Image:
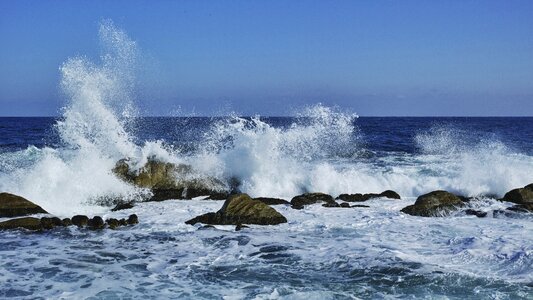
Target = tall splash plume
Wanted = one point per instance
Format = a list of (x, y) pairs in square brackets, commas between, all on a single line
[(92, 130)]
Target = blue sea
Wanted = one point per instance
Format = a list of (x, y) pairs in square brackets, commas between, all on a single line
[(65, 164)]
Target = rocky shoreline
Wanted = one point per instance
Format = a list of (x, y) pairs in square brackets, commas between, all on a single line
[(238, 208)]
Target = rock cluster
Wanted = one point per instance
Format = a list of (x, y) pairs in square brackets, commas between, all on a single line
[(241, 209), (46, 223)]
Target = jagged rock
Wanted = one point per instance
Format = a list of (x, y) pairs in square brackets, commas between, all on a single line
[(521, 195), (26, 222), (49, 223), (477, 213), (241, 209), (96, 223), (133, 219), (300, 201), (168, 181), (122, 206), (15, 206), (112, 223), (272, 201), (364, 197), (80, 220), (434, 204)]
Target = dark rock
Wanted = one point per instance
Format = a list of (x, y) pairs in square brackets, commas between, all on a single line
[(477, 213), (345, 204), (310, 198), (169, 181), (241, 209), (66, 222), (523, 208), (49, 223), (122, 206), (133, 219), (27, 223), (96, 223), (122, 222), (434, 204), (112, 223), (359, 205), (520, 196), (207, 227), (331, 204), (80, 220), (15, 206), (218, 196), (364, 197), (272, 201), (240, 226)]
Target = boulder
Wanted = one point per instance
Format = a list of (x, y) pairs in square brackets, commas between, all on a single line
[(96, 223), (364, 197), (300, 201), (49, 223), (168, 180), (132, 219), (521, 195), (27, 223), (345, 204), (15, 206), (112, 223), (241, 209), (80, 220), (67, 222), (272, 201), (434, 204)]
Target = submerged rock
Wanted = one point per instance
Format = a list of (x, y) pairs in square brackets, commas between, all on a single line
[(477, 213), (168, 180), (27, 223), (15, 206), (272, 201), (520, 196), (241, 209), (364, 197), (345, 204), (434, 204), (300, 201)]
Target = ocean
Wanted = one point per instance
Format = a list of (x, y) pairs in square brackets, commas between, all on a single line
[(65, 164)]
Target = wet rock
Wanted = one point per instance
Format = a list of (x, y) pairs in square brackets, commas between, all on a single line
[(345, 204), (522, 208), (66, 222), (434, 204), (123, 206), (364, 197), (331, 204), (169, 181), (27, 223), (300, 201), (15, 206), (80, 220), (240, 226), (122, 222), (360, 205), (96, 223), (272, 201), (112, 223), (241, 209), (520, 196), (218, 196), (49, 223), (133, 219), (477, 213)]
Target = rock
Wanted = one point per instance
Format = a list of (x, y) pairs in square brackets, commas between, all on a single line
[(331, 204), (272, 201), (520, 196), (364, 197), (345, 204), (122, 222), (66, 222), (15, 206), (27, 223), (477, 213), (241, 209), (112, 223), (523, 208), (133, 219), (96, 223), (359, 205), (49, 223), (169, 181), (240, 226), (300, 201), (434, 204), (122, 206), (80, 220), (218, 196)]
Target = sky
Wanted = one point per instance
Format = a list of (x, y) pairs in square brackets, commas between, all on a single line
[(376, 58)]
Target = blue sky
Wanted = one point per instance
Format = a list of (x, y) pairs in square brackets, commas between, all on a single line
[(399, 58)]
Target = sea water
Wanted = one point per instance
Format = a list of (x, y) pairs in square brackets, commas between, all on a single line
[(65, 164)]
